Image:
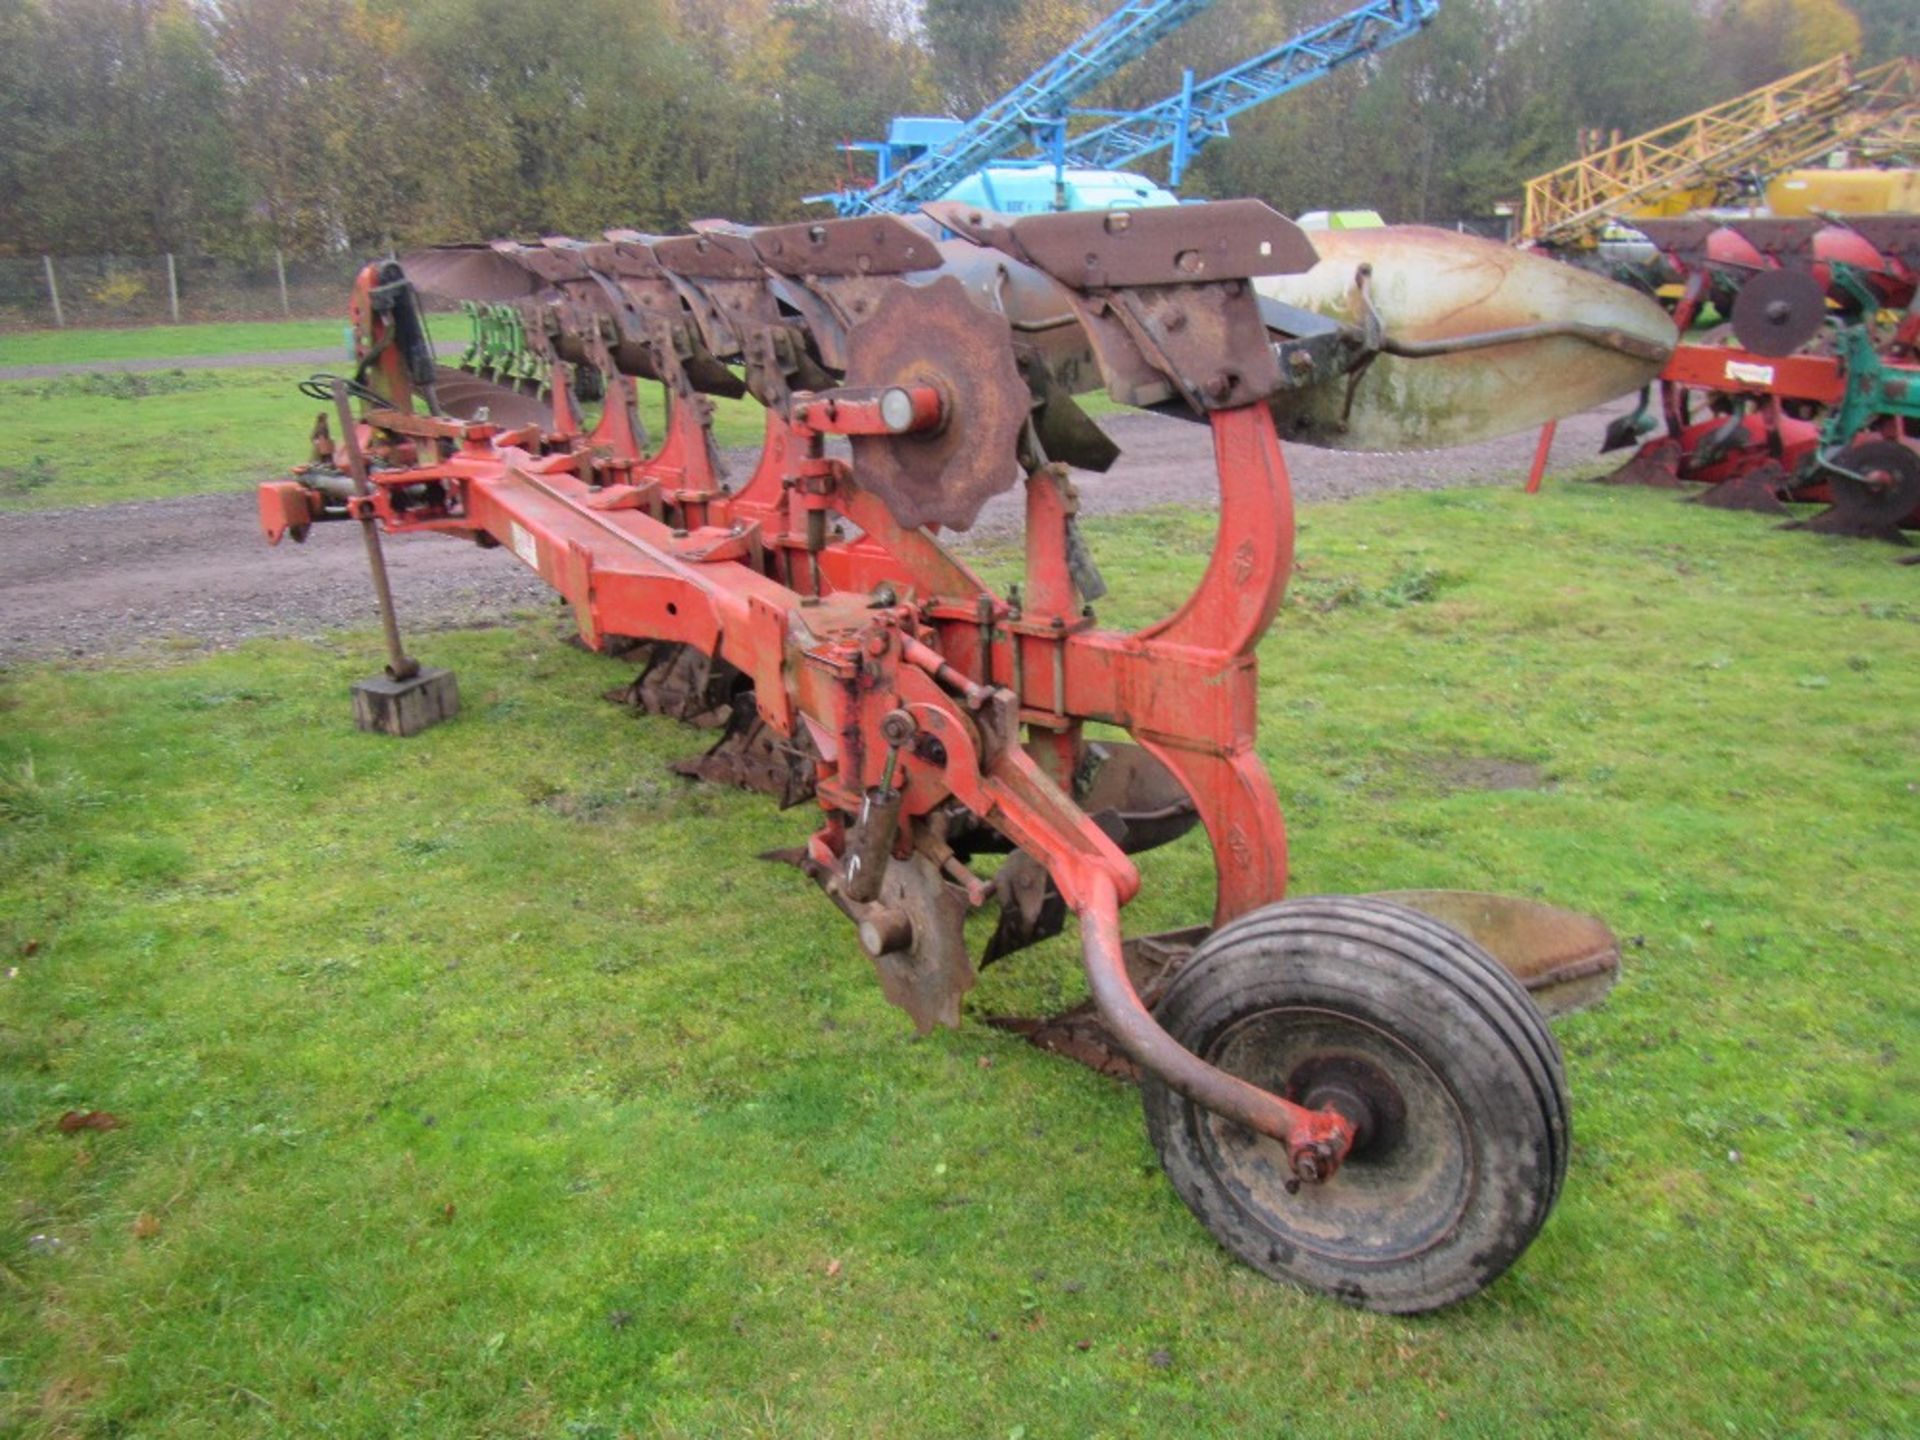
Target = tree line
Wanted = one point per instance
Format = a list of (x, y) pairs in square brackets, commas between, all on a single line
[(233, 127)]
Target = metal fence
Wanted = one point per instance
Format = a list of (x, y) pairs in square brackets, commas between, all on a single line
[(39, 291)]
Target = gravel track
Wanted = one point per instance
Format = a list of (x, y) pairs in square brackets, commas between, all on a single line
[(194, 571), (334, 355), (184, 362)]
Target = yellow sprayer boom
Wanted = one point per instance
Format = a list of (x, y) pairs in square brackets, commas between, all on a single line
[(1710, 157)]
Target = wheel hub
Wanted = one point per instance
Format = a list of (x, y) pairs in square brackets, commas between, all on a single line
[(1408, 1175), (1360, 1092)]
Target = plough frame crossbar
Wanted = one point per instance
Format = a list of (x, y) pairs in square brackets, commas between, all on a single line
[(910, 372)]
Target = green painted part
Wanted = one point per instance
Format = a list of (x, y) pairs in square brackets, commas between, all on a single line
[(470, 357), (1850, 280), (1340, 220), (497, 346), (1874, 389)]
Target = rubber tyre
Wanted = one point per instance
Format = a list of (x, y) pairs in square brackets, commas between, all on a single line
[(1445, 1193)]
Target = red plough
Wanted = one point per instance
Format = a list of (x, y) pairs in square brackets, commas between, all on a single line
[(1818, 399), (1356, 1094)]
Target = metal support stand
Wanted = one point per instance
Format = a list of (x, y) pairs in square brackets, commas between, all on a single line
[(407, 699)]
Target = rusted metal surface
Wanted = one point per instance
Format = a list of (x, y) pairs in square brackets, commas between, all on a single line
[(1778, 312), (921, 957), (1657, 464), (471, 272), (713, 255), (1684, 236), (400, 666), (1102, 250), (932, 336), (872, 245), (1763, 489), (683, 683), (752, 755), (468, 397), (1874, 487), (1567, 960), (1136, 801)]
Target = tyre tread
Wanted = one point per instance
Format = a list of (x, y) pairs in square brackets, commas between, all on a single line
[(1482, 994), (1499, 998)]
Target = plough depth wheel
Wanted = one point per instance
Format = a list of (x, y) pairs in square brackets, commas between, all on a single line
[(1429, 1047)]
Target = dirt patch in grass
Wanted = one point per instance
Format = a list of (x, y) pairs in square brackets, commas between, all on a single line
[(1456, 773)]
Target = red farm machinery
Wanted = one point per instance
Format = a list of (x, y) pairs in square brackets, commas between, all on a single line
[(1817, 397), (1357, 1094)]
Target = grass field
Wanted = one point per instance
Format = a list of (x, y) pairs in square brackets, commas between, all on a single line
[(483, 1084), (168, 342), (99, 439)]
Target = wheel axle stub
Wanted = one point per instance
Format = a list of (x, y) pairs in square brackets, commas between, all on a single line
[(1359, 1091), (1321, 1138)]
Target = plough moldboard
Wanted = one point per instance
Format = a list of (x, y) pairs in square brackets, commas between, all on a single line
[(1357, 1094)]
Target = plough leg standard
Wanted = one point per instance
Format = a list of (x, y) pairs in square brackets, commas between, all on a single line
[(1350, 1093)]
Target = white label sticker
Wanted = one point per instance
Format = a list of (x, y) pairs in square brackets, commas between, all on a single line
[(525, 546), (1749, 374)]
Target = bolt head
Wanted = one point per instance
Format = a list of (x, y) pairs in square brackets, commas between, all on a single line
[(897, 727)]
